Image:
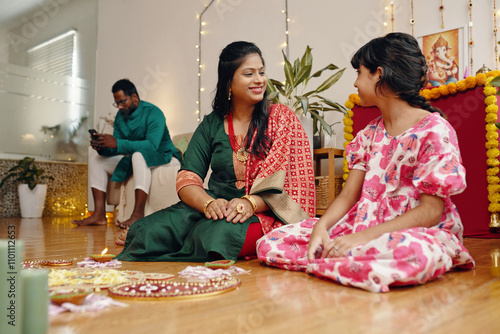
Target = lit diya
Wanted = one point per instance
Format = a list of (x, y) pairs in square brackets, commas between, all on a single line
[(103, 257)]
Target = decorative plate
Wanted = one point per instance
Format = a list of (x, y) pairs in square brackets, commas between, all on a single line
[(159, 290)]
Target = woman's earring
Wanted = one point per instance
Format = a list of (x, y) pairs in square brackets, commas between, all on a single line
[(229, 97)]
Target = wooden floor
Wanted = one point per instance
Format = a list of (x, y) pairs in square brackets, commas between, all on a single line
[(272, 300)]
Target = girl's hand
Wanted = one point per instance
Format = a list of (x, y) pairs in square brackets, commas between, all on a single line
[(340, 246), (319, 238), (239, 210), (216, 209)]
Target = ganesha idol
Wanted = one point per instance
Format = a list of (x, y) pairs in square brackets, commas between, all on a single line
[(442, 70)]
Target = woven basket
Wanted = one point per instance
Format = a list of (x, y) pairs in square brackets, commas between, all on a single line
[(322, 190)]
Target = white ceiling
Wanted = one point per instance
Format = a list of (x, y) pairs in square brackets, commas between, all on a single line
[(12, 11)]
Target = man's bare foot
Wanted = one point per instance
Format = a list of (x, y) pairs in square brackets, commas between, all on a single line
[(126, 224), (94, 219), (122, 237)]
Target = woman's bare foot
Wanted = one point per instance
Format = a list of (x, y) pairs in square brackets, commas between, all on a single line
[(94, 219), (122, 237), (126, 224)]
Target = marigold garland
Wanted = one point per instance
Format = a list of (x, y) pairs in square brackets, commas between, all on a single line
[(491, 109)]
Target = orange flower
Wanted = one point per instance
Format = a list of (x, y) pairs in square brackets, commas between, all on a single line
[(470, 82)]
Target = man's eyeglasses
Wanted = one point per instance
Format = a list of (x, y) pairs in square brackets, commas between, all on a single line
[(122, 102)]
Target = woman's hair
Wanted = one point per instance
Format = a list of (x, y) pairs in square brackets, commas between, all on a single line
[(404, 69), (231, 57)]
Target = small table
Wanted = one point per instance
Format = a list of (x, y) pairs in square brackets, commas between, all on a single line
[(330, 153)]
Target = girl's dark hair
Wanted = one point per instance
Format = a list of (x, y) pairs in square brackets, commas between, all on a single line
[(231, 57), (404, 69), (126, 85)]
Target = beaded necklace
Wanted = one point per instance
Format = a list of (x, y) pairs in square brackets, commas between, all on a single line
[(241, 153)]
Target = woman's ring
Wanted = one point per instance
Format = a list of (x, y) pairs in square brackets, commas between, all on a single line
[(336, 249), (240, 208)]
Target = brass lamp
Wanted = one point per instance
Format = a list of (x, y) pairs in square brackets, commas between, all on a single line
[(483, 69), (494, 223)]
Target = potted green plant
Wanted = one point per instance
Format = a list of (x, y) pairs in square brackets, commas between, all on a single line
[(31, 194), (303, 100)]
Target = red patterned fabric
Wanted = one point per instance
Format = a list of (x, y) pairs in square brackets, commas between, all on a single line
[(290, 153)]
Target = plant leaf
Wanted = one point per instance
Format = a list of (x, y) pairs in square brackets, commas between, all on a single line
[(276, 83), (302, 75), (304, 102), (495, 81), (288, 75), (330, 81), (329, 67), (307, 60)]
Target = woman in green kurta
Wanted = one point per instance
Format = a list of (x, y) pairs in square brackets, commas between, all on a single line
[(262, 175)]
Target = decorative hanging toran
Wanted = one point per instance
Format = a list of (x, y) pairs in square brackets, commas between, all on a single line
[(441, 9), (471, 42), (412, 21), (495, 32)]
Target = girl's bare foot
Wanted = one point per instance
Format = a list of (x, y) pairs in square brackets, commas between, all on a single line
[(122, 237), (94, 219)]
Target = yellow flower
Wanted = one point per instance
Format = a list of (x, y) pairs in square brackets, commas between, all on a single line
[(491, 127), (493, 179), (435, 93), (492, 108), (344, 177), (491, 118), (492, 99), (494, 198), (345, 169), (348, 129), (494, 207), (354, 98), (461, 86), (491, 143), (491, 135), (493, 188), (426, 93), (349, 122), (350, 113), (345, 144), (488, 91), (452, 87), (480, 79), (349, 105), (493, 171), (491, 153), (348, 136), (443, 90), (492, 162), (470, 82)]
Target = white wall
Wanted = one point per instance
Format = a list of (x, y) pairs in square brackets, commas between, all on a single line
[(52, 19), (153, 43)]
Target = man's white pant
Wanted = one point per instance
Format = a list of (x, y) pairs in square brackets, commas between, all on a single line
[(101, 166)]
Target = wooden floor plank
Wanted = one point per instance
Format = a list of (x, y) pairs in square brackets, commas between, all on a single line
[(272, 300)]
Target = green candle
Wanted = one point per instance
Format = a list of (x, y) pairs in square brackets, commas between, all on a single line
[(35, 286), (10, 284)]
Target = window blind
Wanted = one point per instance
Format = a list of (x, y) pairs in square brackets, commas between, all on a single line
[(55, 55)]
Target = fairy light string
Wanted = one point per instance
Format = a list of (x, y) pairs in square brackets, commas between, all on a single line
[(285, 45), (201, 32)]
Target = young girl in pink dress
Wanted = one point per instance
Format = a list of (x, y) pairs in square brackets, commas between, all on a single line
[(394, 222)]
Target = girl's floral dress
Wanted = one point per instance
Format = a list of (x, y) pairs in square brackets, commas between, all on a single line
[(424, 159)]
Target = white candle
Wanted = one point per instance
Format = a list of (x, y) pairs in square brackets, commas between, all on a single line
[(35, 286), (10, 284)]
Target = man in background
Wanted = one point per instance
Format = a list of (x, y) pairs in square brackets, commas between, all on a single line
[(140, 141)]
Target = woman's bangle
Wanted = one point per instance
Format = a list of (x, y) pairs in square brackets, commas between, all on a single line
[(207, 203), (251, 200)]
